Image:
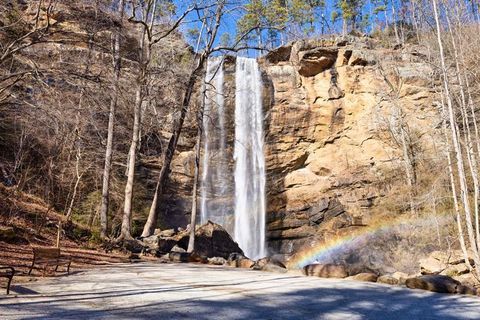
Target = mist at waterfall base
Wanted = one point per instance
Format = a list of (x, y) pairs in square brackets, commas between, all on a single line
[(385, 246), (248, 190)]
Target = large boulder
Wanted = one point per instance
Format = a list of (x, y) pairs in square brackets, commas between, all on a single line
[(212, 240), (435, 283), (325, 270), (238, 260), (431, 265)]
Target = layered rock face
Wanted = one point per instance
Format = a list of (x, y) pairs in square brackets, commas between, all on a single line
[(334, 112), (331, 142)]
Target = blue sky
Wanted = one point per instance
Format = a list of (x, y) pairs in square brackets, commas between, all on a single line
[(232, 16)]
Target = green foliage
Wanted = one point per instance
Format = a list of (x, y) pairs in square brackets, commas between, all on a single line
[(277, 16)]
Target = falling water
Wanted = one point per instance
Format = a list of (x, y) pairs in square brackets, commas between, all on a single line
[(249, 160), (214, 178)]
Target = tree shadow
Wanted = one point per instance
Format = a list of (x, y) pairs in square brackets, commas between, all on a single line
[(238, 299)]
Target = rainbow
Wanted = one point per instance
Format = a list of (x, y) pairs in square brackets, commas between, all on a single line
[(325, 251)]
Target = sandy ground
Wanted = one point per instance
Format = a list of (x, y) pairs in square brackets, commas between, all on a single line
[(186, 291)]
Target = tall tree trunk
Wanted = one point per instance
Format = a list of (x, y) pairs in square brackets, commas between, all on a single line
[(193, 216), (111, 123), (394, 18), (132, 154)]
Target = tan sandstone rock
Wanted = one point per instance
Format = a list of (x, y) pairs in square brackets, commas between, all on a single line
[(326, 270)]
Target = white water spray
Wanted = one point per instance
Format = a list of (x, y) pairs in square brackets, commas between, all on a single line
[(213, 184), (249, 160)]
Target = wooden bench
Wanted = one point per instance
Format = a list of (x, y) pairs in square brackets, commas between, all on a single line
[(7, 272), (49, 257)]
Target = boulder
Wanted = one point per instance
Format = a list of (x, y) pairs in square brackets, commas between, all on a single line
[(176, 248), (467, 279), (361, 58), (325, 270), (462, 289), (315, 61), (196, 257), (167, 233), (238, 260), (431, 265), (219, 261), (455, 270), (134, 246), (269, 264), (401, 277), (212, 240), (178, 256), (387, 279), (166, 244), (245, 263), (151, 242), (435, 283), (365, 276)]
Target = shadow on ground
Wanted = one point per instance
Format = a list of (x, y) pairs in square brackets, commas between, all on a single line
[(240, 300)]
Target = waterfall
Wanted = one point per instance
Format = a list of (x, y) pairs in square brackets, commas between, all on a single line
[(249, 160), (214, 187)]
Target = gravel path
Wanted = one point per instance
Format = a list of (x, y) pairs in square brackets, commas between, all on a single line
[(186, 291)]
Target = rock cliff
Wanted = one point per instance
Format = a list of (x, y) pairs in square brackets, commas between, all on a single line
[(332, 145), (333, 113)]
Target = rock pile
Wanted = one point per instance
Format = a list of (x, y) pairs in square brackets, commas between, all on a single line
[(439, 272), (211, 240)]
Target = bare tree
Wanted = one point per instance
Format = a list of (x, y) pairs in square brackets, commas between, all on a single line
[(111, 123)]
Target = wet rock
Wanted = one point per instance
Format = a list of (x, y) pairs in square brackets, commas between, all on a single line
[(365, 276), (325, 270), (212, 240), (387, 279), (435, 283)]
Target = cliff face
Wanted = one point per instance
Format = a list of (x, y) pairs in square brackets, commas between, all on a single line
[(342, 122), (342, 125)]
